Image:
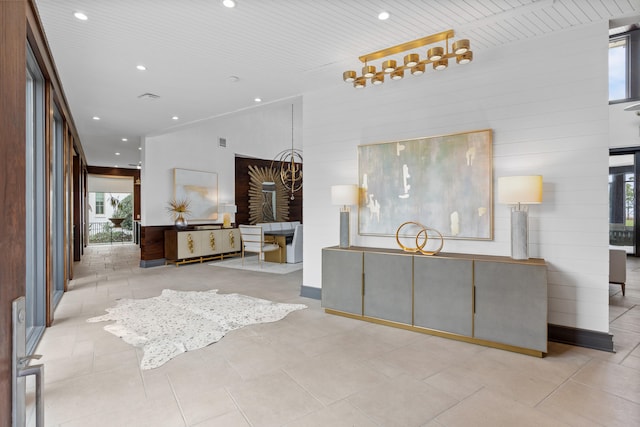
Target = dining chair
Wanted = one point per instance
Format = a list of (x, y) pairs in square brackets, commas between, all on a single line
[(294, 249), (253, 241)]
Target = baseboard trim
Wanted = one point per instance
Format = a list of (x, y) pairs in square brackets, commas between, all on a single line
[(311, 292), (152, 263), (581, 337)]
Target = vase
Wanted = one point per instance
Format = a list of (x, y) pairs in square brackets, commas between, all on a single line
[(180, 222)]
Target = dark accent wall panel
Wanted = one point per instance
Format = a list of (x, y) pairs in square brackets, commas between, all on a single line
[(242, 191), (152, 242), (12, 183)]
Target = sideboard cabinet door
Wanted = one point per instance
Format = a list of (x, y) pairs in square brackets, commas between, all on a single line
[(443, 294), (388, 292), (342, 280), (230, 240), (188, 244), (511, 304), (210, 242)]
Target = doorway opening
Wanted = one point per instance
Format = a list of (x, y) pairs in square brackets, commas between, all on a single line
[(623, 203), (110, 210)]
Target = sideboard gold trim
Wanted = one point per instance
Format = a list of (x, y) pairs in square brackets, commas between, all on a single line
[(435, 332)]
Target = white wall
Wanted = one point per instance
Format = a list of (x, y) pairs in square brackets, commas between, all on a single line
[(624, 126), (546, 101), (260, 132)]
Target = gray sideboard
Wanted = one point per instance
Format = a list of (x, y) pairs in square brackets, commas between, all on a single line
[(488, 300)]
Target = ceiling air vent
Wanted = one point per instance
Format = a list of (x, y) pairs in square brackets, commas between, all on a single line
[(222, 142), (148, 96)]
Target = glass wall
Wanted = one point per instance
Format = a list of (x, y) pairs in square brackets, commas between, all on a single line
[(622, 202), (57, 209), (35, 204)]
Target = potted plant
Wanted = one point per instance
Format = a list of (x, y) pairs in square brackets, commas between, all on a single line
[(117, 215), (178, 209)]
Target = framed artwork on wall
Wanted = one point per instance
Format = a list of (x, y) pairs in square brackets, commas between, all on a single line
[(444, 182), (201, 189)]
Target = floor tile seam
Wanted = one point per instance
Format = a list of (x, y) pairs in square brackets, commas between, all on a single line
[(635, 347), (176, 399), (284, 371), (632, 328), (618, 316), (557, 388), (457, 403), (237, 405), (77, 376), (601, 390)]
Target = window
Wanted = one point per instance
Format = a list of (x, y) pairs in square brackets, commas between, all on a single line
[(624, 64), (618, 69), (36, 219), (99, 203)]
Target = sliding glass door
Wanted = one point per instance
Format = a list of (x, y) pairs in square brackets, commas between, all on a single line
[(624, 171)]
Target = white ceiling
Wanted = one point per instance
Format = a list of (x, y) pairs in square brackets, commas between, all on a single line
[(277, 48)]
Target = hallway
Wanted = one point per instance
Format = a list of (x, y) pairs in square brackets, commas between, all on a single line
[(314, 369)]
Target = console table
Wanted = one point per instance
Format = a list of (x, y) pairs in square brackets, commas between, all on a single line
[(181, 247), (489, 300)]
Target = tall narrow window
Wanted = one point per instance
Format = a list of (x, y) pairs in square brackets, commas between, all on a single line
[(618, 69), (57, 236), (99, 203), (35, 255)]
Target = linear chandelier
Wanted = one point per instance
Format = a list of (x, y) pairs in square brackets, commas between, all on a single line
[(437, 55)]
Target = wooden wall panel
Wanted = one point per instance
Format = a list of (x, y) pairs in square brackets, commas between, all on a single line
[(152, 242), (12, 190)]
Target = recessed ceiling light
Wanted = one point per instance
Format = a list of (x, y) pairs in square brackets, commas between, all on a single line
[(257, 99), (81, 16), (229, 3), (141, 67), (383, 16), (124, 139), (117, 154), (96, 118), (139, 148), (115, 166), (175, 117)]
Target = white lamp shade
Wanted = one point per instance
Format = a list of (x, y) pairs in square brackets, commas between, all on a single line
[(344, 194), (520, 189)]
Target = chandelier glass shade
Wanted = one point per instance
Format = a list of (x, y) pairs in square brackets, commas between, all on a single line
[(438, 56)]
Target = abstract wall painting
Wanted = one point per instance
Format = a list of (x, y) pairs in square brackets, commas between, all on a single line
[(444, 182), (201, 189)]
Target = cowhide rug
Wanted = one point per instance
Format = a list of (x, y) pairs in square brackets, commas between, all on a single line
[(176, 321)]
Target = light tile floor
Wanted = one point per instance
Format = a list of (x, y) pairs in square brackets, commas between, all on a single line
[(314, 369)]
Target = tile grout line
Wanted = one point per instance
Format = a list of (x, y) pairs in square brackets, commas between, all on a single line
[(235, 402), (175, 396)]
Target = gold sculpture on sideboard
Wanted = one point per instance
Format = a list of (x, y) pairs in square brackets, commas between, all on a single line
[(421, 239)]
